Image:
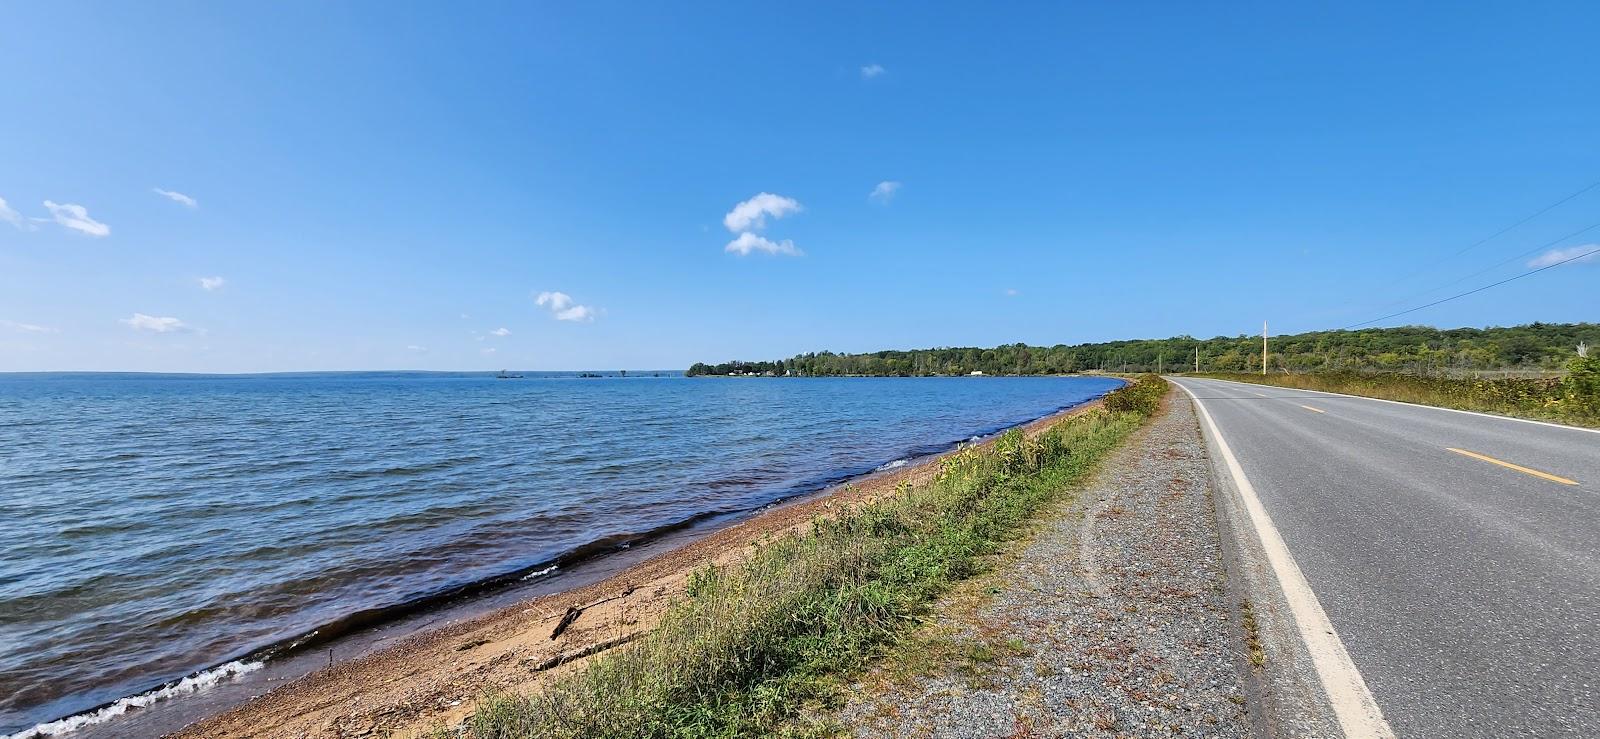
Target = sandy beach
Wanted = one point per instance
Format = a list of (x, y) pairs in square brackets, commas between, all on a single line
[(431, 679)]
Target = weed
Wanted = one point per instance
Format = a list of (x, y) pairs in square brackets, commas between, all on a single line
[(1252, 635)]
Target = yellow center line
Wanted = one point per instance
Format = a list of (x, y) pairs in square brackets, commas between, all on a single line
[(1314, 410), (1510, 466)]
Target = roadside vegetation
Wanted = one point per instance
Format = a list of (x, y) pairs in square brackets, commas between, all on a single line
[(1573, 399), (750, 644), (1534, 349)]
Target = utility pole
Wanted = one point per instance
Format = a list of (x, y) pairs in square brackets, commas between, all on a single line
[(1197, 359), (1263, 348), (1160, 359)]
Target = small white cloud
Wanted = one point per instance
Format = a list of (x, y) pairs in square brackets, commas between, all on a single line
[(884, 192), (872, 70), (751, 215), (487, 352), (31, 328), (76, 217), (749, 242), (1012, 292), (11, 216), (417, 349), (213, 284), (575, 313), (553, 300), (501, 332), (177, 197), (1575, 254), (563, 308), (158, 324)]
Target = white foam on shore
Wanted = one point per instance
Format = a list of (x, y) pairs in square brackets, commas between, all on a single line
[(539, 573), (191, 684), (893, 465)]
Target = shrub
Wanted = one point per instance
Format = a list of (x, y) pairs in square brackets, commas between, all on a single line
[(1142, 396)]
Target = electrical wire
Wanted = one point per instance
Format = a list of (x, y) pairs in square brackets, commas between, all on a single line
[(1476, 290)]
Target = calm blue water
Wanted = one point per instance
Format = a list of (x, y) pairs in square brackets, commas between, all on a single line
[(151, 526)]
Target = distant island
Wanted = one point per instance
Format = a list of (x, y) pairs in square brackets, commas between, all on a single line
[(1534, 348)]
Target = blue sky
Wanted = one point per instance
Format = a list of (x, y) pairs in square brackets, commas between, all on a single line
[(387, 185)]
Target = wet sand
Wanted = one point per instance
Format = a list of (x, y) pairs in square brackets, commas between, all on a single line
[(430, 679)]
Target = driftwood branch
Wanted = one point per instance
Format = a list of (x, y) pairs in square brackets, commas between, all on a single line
[(565, 657), (573, 612)]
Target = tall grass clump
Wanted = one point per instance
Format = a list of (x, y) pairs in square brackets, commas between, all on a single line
[(748, 644), (1574, 398)]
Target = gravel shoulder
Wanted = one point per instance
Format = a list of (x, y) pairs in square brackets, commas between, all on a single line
[(1113, 618)]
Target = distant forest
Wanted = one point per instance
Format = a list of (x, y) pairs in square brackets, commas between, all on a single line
[(1538, 347)]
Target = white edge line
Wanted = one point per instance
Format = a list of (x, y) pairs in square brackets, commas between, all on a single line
[(1353, 704), (1402, 402)]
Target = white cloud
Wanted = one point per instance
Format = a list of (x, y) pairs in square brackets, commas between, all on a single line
[(1557, 256), (1012, 292), (212, 284), (177, 197), (32, 328), (884, 192), (158, 324), (749, 242), (76, 217), (417, 349), (12, 217), (872, 70), (553, 301), (576, 313), (501, 332), (487, 352), (563, 308), (751, 215)]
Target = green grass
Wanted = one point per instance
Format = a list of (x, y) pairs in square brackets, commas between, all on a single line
[(1574, 399), (749, 645)]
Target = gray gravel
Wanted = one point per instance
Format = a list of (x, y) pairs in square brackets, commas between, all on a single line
[(1112, 620)]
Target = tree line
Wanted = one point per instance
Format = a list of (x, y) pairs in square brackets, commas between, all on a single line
[(1544, 347)]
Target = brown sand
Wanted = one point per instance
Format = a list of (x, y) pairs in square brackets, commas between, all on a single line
[(430, 679)]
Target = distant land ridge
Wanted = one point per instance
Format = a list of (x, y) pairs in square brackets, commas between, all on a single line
[(1533, 348)]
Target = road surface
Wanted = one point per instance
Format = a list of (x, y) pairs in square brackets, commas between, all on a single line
[(1456, 555)]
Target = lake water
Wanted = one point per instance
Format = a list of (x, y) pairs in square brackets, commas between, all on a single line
[(153, 526)]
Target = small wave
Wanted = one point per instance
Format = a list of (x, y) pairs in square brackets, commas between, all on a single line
[(893, 465), (539, 573), (191, 684)]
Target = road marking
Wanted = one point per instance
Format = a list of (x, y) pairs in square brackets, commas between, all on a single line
[(1264, 395), (1353, 704), (1313, 410), (1430, 407), (1510, 466)]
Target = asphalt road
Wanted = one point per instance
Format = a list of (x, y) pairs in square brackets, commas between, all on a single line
[(1466, 592)]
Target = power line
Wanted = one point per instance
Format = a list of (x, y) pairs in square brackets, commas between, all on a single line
[(1497, 234), (1501, 263), (1476, 290)]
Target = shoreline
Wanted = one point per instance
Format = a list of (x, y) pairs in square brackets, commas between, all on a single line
[(434, 677), (468, 612)]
